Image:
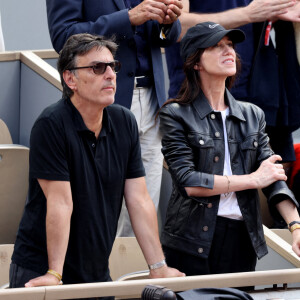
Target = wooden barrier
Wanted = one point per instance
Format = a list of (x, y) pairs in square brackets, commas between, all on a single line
[(133, 288)]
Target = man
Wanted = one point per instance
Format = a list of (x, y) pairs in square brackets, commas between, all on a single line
[(269, 77), (140, 28), (84, 156)]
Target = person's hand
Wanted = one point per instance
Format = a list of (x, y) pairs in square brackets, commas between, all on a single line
[(268, 172), (293, 13), (148, 10), (44, 280), (296, 241), (165, 272), (173, 11), (262, 10)]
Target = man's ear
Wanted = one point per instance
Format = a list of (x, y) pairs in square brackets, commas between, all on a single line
[(69, 79)]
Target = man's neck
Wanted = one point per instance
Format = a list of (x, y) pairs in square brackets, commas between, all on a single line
[(91, 114)]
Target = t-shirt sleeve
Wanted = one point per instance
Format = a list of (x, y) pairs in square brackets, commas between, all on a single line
[(48, 159), (135, 167)]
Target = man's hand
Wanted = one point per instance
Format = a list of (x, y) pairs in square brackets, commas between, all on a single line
[(44, 280), (173, 11), (262, 10), (296, 241), (165, 272), (292, 15), (148, 10), (269, 172)]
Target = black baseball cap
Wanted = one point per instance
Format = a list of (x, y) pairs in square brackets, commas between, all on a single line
[(206, 34)]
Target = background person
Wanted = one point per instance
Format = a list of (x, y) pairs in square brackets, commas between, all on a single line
[(218, 155), (140, 28)]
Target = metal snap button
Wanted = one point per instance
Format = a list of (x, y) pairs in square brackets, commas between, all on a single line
[(217, 134), (201, 142)]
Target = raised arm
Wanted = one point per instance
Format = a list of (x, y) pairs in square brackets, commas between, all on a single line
[(144, 222), (59, 211), (256, 11)]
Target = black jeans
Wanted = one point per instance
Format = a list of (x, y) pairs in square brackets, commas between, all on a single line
[(18, 276), (231, 251)]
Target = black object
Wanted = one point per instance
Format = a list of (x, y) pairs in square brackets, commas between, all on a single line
[(204, 35), (156, 292), (214, 294)]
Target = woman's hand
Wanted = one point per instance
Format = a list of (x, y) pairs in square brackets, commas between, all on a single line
[(269, 172)]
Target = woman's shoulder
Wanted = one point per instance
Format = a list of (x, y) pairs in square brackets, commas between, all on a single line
[(248, 107), (174, 108)]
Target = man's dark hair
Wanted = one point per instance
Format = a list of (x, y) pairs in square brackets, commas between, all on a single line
[(78, 45)]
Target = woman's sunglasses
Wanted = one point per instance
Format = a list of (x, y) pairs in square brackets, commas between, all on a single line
[(100, 67)]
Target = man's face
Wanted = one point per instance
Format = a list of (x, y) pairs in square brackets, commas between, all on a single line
[(90, 88)]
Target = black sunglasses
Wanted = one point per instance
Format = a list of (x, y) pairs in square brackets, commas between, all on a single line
[(100, 67)]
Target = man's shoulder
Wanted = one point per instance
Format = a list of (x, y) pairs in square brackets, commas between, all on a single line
[(55, 113), (54, 110)]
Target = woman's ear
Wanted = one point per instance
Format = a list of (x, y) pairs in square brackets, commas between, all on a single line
[(69, 79), (197, 67)]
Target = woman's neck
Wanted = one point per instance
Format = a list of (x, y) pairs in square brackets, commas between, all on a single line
[(214, 90)]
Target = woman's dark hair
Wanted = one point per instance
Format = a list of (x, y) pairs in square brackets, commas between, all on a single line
[(190, 87), (77, 45)]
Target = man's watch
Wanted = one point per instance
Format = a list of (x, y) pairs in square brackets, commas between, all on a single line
[(294, 225), (157, 265)]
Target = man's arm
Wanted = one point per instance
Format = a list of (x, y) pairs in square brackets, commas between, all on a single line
[(289, 212), (144, 222), (293, 14), (256, 11), (59, 211)]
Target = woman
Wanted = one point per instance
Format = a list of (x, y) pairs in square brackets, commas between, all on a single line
[(218, 156)]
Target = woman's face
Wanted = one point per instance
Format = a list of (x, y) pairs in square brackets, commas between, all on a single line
[(218, 60)]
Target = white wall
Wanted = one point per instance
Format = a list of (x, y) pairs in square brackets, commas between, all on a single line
[(24, 25)]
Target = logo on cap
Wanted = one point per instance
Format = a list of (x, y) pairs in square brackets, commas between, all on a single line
[(213, 26)]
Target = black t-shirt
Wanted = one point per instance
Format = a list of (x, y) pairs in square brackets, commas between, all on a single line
[(62, 148)]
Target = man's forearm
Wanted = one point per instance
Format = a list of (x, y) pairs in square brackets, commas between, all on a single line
[(229, 19), (58, 230), (144, 222), (256, 11)]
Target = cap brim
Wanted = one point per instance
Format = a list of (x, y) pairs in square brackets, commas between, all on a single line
[(235, 35)]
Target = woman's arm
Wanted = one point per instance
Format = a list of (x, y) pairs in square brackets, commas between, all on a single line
[(268, 172)]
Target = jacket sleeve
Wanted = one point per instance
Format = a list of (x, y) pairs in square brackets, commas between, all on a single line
[(178, 153), (65, 18), (278, 191)]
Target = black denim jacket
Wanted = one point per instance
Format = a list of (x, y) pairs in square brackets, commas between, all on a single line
[(193, 147)]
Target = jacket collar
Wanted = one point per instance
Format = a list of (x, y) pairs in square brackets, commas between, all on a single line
[(203, 107)]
